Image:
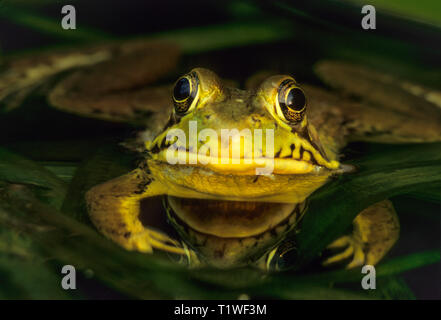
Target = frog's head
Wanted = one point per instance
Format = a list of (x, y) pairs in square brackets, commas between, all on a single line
[(241, 150), (235, 135)]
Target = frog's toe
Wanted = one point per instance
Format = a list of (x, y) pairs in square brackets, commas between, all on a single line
[(340, 243), (148, 240), (140, 242), (358, 259), (352, 252), (190, 259), (348, 252)]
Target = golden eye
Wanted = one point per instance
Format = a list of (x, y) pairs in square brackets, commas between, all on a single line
[(290, 102), (185, 93)]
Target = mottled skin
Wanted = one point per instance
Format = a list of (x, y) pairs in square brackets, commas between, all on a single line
[(111, 81)]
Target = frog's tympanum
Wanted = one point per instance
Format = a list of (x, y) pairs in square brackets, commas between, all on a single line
[(226, 214)]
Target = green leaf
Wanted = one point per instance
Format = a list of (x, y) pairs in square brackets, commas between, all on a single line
[(284, 290), (49, 25), (28, 280), (228, 35), (108, 162), (395, 288), (16, 169), (332, 209), (191, 40), (63, 170), (432, 194), (387, 268), (428, 11), (23, 273)]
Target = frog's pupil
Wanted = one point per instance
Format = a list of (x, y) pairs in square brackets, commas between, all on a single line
[(296, 99), (182, 89)]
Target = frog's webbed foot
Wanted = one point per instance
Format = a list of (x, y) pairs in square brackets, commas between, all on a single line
[(114, 208), (189, 259), (376, 229), (149, 239), (348, 247)]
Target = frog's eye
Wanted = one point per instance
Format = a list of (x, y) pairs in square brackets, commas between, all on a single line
[(290, 102), (185, 93)]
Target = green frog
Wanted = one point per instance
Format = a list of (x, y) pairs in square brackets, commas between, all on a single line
[(239, 211), (233, 214)]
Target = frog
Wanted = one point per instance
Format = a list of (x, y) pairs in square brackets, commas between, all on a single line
[(226, 215), (231, 215)]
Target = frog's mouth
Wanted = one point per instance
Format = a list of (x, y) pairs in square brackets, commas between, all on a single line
[(233, 219), (290, 154), (250, 166)]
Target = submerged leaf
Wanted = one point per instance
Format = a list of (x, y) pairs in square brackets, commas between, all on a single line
[(332, 209), (18, 170), (107, 163)]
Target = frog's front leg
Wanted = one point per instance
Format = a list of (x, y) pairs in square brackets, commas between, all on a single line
[(376, 229), (114, 208)]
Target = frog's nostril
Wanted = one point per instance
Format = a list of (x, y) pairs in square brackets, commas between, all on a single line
[(255, 119)]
